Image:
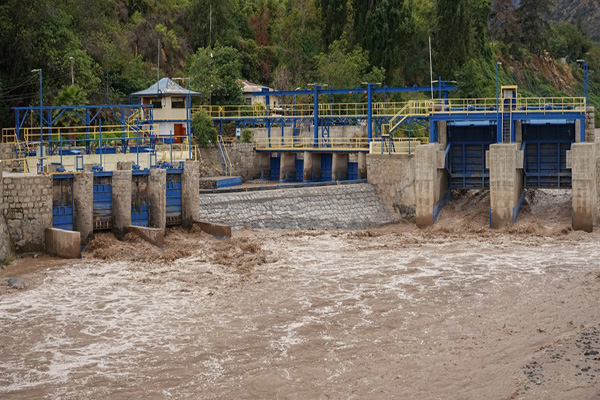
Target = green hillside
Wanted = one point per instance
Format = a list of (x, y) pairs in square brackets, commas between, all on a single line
[(116, 44)]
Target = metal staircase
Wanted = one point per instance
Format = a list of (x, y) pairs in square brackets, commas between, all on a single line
[(506, 126)]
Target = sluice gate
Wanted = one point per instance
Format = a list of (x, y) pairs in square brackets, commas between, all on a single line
[(62, 201), (465, 157), (545, 146)]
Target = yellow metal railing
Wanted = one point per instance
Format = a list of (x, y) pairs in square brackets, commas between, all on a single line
[(415, 107), (396, 146), (224, 155), (291, 142)]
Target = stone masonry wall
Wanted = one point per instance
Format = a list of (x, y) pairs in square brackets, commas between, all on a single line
[(245, 162), (355, 206), (590, 125), (27, 207), (394, 178)]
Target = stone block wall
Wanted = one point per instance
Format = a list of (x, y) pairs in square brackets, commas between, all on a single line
[(245, 162), (27, 207), (355, 206), (394, 178), (590, 125)]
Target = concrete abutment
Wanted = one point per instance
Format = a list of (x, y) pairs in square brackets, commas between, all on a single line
[(431, 183), (505, 162)]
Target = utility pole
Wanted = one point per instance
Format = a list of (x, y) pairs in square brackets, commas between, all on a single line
[(72, 76), (41, 119)]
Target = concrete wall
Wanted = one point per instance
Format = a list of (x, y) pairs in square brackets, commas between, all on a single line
[(339, 167), (334, 132), (312, 166), (83, 205), (394, 178), (121, 197), (431, 181), (506, 182), (287, 167), (582, 159), (62, 243), (190, 194), (27, 207), (157, 195), (245, 162), (354, 206)]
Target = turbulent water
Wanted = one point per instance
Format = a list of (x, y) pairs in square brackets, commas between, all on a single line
[(393, 313)]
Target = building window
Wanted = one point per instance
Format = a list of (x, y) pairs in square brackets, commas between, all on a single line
[(248, 100), (178, 102), (157, 103)]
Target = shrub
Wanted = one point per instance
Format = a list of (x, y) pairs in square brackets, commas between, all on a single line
[(246, 136), (204, 129)]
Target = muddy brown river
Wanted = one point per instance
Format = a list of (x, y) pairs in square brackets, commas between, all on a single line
[(389, 313)]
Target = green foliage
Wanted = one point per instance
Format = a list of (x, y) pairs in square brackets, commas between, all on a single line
[(341, 67), (70, 96), (568, 41), (214, 73), (204, 129), (247, 136), (533, 19)]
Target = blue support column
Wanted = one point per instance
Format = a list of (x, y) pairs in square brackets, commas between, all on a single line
[(316, 116), (582, 124), (433, 132), (369, 113)]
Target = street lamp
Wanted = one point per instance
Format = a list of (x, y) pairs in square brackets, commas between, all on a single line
[(72, 76), (41, 119), (586, 81)]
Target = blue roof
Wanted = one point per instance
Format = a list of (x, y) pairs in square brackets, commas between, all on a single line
[(164, 87)]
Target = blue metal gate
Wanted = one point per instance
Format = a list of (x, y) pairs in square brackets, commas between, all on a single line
[(140, 206), (545, 148), (299, 170), (275, 166), (174, 201), (62, 202), (326, 165), (102, 200), (352, 171), (466, 156)]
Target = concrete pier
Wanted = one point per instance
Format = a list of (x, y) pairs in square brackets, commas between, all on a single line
[(431, 182), (505, 162), (61, 243), (190, 196), (287, 168), (312, 166), (83, 202), (362, 165), (339, 167), (582, 160), (121, 197), (157, 196)]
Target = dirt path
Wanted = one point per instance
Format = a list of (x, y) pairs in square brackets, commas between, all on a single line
[(387, 313)]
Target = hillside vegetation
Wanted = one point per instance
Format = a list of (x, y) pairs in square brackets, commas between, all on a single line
[(115, 45)]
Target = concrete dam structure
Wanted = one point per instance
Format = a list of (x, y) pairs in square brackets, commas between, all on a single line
[(143, 182)]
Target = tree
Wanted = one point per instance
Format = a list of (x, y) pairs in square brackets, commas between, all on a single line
[(215, 73), (504, 25), (453, 38), (533, 19), (204, 129), (344, 68), (334, 16), (568, 41)]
